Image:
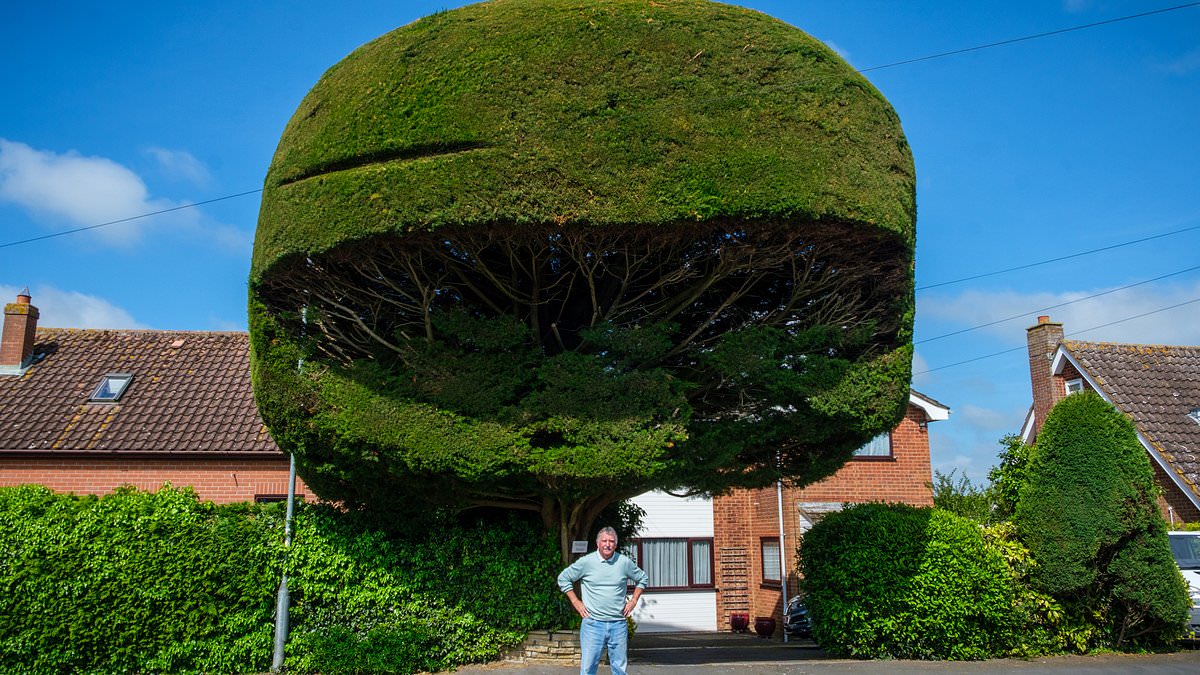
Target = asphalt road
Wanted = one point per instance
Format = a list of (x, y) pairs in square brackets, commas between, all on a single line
[(732, 654)]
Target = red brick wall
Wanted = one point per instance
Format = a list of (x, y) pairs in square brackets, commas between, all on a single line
[(217, 480), (1042, 341), (744, 517)]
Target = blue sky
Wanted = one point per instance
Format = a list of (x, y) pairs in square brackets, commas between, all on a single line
[(1026, 152)]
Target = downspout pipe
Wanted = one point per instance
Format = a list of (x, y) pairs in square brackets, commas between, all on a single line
[(782, 562)]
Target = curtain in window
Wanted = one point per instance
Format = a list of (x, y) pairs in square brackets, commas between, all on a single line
[(770, 560), (702, 563), (880, 446), (665, 561)]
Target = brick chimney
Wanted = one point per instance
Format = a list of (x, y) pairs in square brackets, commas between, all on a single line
[(1043, 340), (20, 325)]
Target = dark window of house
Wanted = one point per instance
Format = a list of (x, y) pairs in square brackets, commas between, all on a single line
[(674, 563)]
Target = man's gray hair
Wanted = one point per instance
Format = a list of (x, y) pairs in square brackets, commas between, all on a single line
[(607, 530)]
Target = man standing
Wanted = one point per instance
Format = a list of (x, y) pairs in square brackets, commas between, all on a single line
[(604, 577)]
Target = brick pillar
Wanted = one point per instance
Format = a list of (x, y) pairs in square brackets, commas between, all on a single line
[(1043, 340), (20, 326)]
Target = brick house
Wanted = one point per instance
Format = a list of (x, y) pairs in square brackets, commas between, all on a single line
[(1157, 386), (87, 411), (727, 550)]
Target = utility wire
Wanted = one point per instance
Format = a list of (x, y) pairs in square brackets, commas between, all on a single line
[(1026, 38), (1078, 332), (929, 57), (1058, 259), (1061, 304), (126, 220)]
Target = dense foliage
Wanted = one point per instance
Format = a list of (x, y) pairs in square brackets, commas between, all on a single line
[(1087, 512), (549, 254), (896, 581), (135, 582), (161, 583), (962, 497), (1009, 476)]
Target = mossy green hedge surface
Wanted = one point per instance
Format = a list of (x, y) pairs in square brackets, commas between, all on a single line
[(621, 112), (161, 583), (546, 255)]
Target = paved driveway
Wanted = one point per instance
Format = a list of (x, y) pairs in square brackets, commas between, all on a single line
[(733, 654)]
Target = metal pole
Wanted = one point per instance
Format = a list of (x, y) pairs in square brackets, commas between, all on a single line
[(782, 557), (283, 600)]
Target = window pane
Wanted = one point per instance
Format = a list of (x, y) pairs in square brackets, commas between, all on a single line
[(702, 563), (880, 446), (666, 561), (770, 560)]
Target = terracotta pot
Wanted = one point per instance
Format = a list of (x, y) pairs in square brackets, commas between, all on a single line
[(739, 622), (764, 626)]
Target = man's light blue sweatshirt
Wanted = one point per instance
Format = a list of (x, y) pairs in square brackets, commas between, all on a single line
[(604, 583)]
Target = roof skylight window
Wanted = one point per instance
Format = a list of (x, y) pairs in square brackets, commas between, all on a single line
[(111, 388), (1195, 415)]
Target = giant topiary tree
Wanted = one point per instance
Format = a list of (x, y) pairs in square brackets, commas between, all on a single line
[(1087, 511), (549, 254)]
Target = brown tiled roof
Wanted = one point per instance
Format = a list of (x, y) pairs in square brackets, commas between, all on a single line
[(190, 393), (1157, 386)]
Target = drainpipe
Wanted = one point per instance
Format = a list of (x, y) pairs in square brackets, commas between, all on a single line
[(282, 599), (782, 558)]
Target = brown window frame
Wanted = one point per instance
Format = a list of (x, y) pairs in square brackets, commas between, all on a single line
[(636, 543)]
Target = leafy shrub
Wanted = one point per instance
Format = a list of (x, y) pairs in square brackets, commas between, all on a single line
[(961, 497), (1087, 511), (371, 602), (139, 582), (896, 581), (134, 582)]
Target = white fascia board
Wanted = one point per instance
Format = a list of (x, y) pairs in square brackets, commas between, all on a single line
[(1027, 427), (933, 411), (1061, 357)]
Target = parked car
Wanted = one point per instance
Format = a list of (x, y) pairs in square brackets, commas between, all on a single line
[(796, 621), (1185, 547)]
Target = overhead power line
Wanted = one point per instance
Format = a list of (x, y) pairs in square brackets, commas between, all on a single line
[(1026, 38), (918, 59), (1058, 259), (1061, 304), (130, 218), (1078, 332)]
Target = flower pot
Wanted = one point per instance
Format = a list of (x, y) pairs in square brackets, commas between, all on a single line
[(764, 626), (739, 622)]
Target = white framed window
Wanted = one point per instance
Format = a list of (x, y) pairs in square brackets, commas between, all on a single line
[(674, 563), (772, 570), (880, 446), (111, 388), (1074, 386)]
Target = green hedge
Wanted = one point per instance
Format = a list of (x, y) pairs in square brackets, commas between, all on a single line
[(895, 581), (135, 582), (162, 583)]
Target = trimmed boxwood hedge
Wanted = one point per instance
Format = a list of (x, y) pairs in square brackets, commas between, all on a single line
[(896, 581), (163, 583)]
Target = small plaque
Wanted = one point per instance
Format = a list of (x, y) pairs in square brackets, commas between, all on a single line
[(579, 546)]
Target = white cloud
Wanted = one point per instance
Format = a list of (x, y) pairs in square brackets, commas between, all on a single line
[(87, 191), (1184, 65), (72, 309), (1128, 315), (982, 418), (181, 165), (82, 190)]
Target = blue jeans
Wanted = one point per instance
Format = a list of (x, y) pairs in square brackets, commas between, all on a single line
[(594, 636)]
